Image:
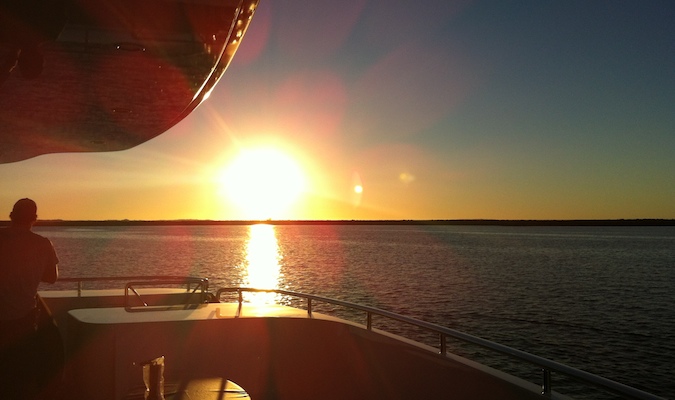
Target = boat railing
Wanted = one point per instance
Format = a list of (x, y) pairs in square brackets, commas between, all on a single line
[(194, 297), (192, 285), (547, 366)]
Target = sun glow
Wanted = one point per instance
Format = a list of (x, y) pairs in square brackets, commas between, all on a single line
[(263, 183)]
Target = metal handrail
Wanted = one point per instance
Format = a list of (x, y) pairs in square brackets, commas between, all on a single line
[(547, 365), (154, 278), (200, 283)]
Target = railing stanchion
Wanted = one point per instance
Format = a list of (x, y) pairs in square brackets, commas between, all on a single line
[(546, 384), (369, 319), (79, 288), (309, 306), (444, 345)]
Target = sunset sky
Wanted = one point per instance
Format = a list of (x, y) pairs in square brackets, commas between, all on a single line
[(390, 109)]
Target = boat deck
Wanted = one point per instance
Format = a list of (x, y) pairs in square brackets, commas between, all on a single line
[(271, 351)]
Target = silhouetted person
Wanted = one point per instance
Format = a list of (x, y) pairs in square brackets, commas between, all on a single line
[(26, 259)]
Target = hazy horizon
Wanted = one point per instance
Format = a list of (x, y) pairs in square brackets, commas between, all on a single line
[(477, 222)]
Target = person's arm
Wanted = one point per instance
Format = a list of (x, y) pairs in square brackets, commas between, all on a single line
[(51, 271)]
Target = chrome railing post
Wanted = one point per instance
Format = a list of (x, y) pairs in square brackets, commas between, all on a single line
[(546, 384), (309, 306), (369, 319), (79, 288), (444, 346)]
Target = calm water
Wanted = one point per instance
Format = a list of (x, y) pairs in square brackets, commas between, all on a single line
[(597, 298)]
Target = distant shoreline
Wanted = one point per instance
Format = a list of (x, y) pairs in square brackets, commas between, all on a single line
[(492, 222)]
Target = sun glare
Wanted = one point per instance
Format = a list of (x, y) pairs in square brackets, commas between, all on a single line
[(264, 183), (263, 256)]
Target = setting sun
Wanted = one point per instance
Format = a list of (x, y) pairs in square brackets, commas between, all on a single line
[(263, 183)]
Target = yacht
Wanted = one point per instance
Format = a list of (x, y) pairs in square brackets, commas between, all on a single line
[(93, 76)]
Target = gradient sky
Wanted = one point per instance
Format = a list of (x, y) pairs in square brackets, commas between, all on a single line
[(437, 109)]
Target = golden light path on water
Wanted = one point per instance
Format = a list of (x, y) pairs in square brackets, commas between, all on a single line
[(263, 259)]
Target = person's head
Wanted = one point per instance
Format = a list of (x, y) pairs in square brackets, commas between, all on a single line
[(24, 212)]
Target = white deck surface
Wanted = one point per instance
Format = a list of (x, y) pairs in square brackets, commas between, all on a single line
[(119, 315)]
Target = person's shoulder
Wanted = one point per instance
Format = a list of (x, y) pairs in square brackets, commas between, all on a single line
[(37, 236), (32, 236), (40, 242)]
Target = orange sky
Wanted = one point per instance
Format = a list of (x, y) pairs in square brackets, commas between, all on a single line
[(460, 112)]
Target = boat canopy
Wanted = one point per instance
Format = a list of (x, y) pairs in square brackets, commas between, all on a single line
[(105, 75)]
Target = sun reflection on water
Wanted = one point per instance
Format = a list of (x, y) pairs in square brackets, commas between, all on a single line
[(263, 263)]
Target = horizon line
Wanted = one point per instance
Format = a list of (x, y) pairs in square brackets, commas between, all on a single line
[(500, 222)]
